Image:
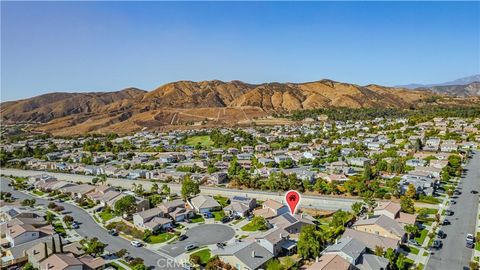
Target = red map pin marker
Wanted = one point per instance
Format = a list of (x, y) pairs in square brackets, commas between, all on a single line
[(292, 197)]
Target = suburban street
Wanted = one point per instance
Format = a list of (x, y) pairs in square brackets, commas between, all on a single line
[(89, 228), (455, 254), (308, 201)]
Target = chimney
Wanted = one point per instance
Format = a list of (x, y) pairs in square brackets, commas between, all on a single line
[(253, 253)]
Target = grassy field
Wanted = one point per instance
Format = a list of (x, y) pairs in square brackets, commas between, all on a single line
[(204, 255), (199, 140), (116, 266)]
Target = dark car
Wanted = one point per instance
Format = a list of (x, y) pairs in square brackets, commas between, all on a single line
[(470, 245), (182, 237), (453, 202), (456, 192), (220, 245), (473, 191), (449, 213), (446, 222), (113, 232), (225, 219), (437, 244), (441, 234)]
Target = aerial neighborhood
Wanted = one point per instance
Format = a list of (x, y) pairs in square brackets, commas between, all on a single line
[(377, 193)]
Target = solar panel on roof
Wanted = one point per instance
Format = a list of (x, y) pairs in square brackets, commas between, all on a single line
[(290, 218)]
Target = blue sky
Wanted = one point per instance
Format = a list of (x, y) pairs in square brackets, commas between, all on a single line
[(106, 46)]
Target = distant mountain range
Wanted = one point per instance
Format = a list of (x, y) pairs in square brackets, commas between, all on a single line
[(215, 103), (461, 81)]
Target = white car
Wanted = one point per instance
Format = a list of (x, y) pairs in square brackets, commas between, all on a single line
[(136, 244), (470, 238)]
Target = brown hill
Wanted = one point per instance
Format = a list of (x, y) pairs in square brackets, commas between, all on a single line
[(181, 104), (56, 105)]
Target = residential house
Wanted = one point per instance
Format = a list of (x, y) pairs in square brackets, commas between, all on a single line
[(204, 204), (381, 225), (271, 209), (244, 255), (392, 210)]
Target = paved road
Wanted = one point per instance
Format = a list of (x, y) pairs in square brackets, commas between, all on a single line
[(455, 255), (309, 201), (89, 228), (201, 235)]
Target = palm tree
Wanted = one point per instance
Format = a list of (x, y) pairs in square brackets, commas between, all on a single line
[(411, 230)]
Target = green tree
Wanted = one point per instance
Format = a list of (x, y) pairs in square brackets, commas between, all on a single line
[(401, 262), (125, 205), (93, 246), (367, 172), (28, 266), (357, 208), (274, 264), (189, 188), (154, 189), (310, 242), (407, 205), (411, 230), (391, 256)]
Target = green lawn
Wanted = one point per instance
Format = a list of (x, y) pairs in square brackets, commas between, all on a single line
[(413, 250), (197, 219), (477, 247), (200, 140), (422, 236), (250, 227), (425, 253), (160, 238), (204, 255), (223, 201), (106, 215), (38, 192), (218, 215)]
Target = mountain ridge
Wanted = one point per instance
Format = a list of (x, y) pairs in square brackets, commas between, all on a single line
[(185, 103)]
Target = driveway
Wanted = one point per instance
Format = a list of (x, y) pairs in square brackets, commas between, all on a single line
[(88, 228), (454, 254), (200, 235)]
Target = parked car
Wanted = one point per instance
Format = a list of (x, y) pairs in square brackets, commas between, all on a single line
[(98, 210), (136, 244), (182, 237), (220, 245), (225, 219), (441, 234), (190, 247), (446, 222), (208, 215), (75, 225), (449, 213), (113, 232), (437, 244), (470, 238), (129, 259), (453, 202), (473, 191)]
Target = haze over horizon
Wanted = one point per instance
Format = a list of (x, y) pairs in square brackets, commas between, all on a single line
[(108, 46)]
